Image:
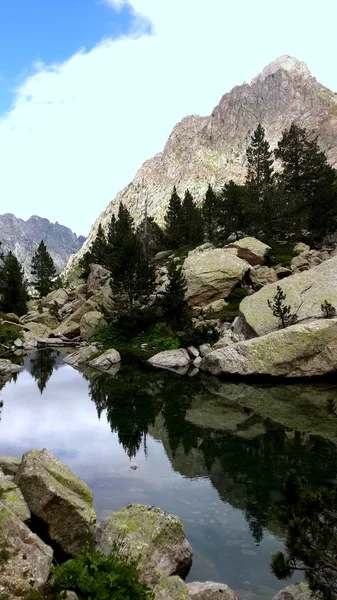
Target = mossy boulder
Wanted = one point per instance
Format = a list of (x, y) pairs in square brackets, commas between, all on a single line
[(9, 464), (171, 588), (91, 323), (152, 536), (25, 560), (58, 497), (299, 591), (11, 497), (212, 273), (105, 361), (7, 367), (302, 350), (208, 590), (81, 356), (305, 293)]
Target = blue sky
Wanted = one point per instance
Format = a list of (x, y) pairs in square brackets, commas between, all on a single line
[(49, 31), (90, 89)]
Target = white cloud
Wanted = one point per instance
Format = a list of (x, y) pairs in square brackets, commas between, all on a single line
[(78, 131)]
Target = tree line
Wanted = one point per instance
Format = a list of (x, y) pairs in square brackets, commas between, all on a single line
[(13, 286)]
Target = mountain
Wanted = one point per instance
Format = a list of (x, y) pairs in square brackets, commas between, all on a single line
[(203, 150), (23, 237)]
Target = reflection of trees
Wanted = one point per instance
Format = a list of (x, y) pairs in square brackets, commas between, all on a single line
[(42, 365), (248, 471)]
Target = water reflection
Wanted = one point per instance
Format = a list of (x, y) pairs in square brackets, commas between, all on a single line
[(216, 453)]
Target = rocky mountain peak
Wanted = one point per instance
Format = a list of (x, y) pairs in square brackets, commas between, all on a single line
[(203, 150), (287, 63)]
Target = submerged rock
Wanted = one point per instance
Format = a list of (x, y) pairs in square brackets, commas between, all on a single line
[(58, 497), (212, 274), (81, 356), (209, 590), (302, 350), (106, 360), (155, 538), (26, 560), (171, 359)]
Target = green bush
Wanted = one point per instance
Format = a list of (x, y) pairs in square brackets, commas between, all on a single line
[(156, 337), (8, 333), (231, 310), (95, 576), (280, 254), (195, 336)]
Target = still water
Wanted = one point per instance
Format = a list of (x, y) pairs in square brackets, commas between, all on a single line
[(215, 453)]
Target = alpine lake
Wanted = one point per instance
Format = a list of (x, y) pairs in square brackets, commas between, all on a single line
[(212, 451)]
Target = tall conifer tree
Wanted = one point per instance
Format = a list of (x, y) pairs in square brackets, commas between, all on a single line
[(174, 303), (173, 224), (191, 222), (43, 270), (210, 214), (13, 291)]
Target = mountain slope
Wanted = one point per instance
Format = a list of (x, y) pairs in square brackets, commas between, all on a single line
[(23, 237), (203, 150)]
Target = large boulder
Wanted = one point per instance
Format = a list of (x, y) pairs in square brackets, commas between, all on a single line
[(211, 274), (58, 497), (59, 297), (299, 591), (305, 292), (80, 356), (91, 323), (106, 360), (171, 588), (44, 318), (26, 560), (9, 464), (208, 590), (262, 276), (302, 350), (251, 250), (36, 331), (171, 359), (150, 535), (97, 278)]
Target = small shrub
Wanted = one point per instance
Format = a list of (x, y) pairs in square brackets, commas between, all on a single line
[(8, 334), (40, 307), (54, 310), (231, 310), (328, 310), (204, 334), (95, 576), (280, 310), (280, 254)]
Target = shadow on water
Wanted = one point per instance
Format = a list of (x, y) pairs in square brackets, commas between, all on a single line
[(229, 447)]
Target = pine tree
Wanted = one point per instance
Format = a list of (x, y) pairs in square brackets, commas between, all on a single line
[(155, 237), (210, 214), (43, 270), (13, 291), (192, 231), (260, 161), (232, 209), (99, 247), (173, 224), (174, 303), (308, 181), (133, 277)]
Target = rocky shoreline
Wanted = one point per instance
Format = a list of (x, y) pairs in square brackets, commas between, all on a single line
[(41, 488)]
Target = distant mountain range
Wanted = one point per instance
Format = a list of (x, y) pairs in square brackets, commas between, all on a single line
[(203, 150), (23, 237)]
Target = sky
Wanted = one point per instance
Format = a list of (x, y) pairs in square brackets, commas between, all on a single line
[(89, 89)]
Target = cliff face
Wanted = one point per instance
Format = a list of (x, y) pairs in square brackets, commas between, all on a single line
[(23, 237), (203, 150)]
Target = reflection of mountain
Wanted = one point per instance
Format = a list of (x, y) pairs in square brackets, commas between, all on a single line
[(229, 433), (42, 365)]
